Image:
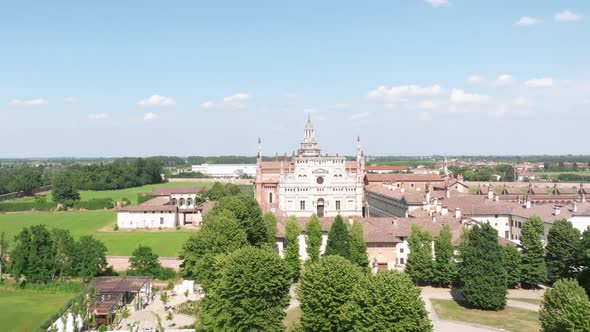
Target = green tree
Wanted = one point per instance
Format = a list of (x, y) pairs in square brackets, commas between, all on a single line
[(292, 232), (512, 263), (40, 267), (270, 221), (338, 239), (63, 189), (90, 257), (482, 270), (247, 211), (358, 247), (19, 257), (144, 262), (387, 301), (3, 256), (324, 288), (533, 266), (420, 265), (563, 247), (444, 270), (565, 308), (313, 235), (584, 260), (250, 294), (64, 248), (221, 234)]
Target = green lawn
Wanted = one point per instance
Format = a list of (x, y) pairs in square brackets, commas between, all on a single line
[(511, 319), (527, 300), (120, 243), (293, 317), (25, 310)]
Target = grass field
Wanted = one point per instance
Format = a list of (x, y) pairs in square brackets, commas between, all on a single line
[(120, 243), (527, 300), (511, 319), (293, 317), (25, 311)]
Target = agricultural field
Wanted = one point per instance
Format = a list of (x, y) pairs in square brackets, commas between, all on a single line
[(97, 224), (23, 310)]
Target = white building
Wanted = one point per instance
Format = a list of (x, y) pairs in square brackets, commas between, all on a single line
[(309, 183), (170, 207), (225, 170)]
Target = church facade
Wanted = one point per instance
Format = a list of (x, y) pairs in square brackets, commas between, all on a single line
[(309, 183)]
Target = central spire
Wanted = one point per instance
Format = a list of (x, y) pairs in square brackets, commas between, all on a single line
[(309, 145)]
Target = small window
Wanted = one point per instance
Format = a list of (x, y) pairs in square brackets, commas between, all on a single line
[(402, 261), (401, 250), (496, 216), (337, 205), (270, 198), (161, 220), (302, 205)]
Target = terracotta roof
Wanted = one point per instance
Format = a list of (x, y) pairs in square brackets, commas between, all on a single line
[(545, 211), (407, 196), (400, 177), (386, 168), (167, 191)]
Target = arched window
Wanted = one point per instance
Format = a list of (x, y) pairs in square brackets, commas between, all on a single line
[(181, 202), (174, 201), (189, 201)]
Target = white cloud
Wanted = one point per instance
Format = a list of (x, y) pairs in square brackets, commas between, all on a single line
[(150, 117), (427, 105), (567, 16), (156, 100), (438, 3), (460, 97), (359, 116), (70, 99), (235, 101), (475, 79), (28, 102), (527, 20), (339, 106), (521, 102), (404, 91), (539, 82), (504, 80), (98, 116)]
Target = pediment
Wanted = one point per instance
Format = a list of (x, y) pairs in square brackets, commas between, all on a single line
[(320, 171)]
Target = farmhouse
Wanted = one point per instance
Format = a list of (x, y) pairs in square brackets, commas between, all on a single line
[(169, 207)]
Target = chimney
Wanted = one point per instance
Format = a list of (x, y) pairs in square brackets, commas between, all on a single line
[(402, 189), (433, 219), (458, 213), (407, 214), (527, 204), (556, 210), (447, 192), (574, 207), (490, 192), (444, 210), (496, 198)]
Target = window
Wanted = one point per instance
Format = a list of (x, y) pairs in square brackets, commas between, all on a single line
[(270, 198), (401, 250), (320, 180), (505, 234), (337, 205), (401, 261), (161, 220), (302, 205)]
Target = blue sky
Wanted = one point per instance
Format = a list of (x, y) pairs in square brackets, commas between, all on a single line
[(139, 78)]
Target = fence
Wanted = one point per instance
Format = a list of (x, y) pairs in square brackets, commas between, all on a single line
[(21, 193)]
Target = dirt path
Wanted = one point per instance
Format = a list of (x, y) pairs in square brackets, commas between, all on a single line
[(121, 263)]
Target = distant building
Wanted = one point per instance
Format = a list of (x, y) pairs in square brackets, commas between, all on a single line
[(310, 183), (381, 169), (169, 207), (225, 170)]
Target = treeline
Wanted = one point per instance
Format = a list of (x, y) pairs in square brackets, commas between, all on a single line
[(484, 173), (22, 178), (483, 269), (120, 174), (41, 255)]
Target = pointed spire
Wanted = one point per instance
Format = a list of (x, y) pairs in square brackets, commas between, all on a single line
[(276, 156)]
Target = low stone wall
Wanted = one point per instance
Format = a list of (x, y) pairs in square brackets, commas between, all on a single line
[(121, 263), (17, 194)]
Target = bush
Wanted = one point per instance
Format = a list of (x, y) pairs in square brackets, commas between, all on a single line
[(166, 273), (115, 227), (26, 206)]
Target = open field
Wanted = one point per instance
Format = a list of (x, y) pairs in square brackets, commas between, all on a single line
[(120, 243), (25, 310), (511, 319)]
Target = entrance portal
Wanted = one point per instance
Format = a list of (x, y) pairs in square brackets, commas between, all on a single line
[(320, 207)]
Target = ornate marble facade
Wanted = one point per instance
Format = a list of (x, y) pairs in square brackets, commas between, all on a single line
[(309, 183)]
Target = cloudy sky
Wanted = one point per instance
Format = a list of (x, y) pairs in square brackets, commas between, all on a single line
[(416, 77)]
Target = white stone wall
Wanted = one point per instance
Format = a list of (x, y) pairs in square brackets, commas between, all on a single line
[(338, 185), (225, 170), (126, 219), (500, 222), (582, 223)]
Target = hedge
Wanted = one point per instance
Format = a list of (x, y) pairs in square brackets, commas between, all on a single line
[(26, 206), (95, 204)]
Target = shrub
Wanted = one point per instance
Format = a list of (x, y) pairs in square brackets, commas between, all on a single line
[(95, 204), (166, 273), (115, 227), (26, 206)]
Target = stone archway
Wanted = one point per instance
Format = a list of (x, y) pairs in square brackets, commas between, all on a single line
[(320, 207)]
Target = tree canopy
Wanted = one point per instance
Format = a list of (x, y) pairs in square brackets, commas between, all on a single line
[(250, 293), (292, 232), (533, 266), (482, 270), (565, 308), (358, 247), (313, 234), (144, 262), (512, 262), (563, 247), (387, 301), (64, 190), (338, 239), (444, 269), (420, 265), (324, 288)]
